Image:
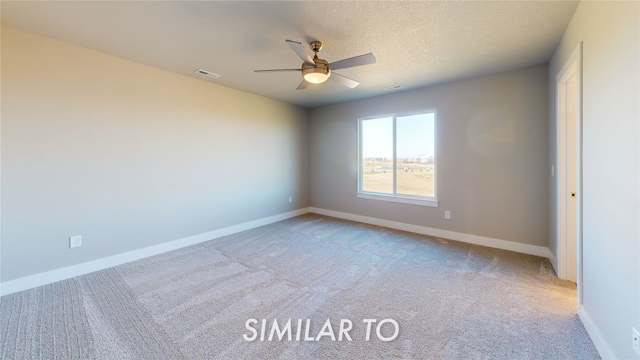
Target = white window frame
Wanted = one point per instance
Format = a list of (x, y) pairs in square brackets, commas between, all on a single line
[(431, 201)]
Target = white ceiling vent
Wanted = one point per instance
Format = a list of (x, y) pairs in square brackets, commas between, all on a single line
[(207, 73), (394, 87)]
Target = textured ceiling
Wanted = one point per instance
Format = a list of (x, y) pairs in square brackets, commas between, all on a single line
[(416, 44)]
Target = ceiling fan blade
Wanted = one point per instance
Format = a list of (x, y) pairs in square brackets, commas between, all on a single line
[(303, 85), (354, 61), (344, 80), (275, 70), (302, 53)]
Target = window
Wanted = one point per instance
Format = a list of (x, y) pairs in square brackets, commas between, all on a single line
[(397, 158)]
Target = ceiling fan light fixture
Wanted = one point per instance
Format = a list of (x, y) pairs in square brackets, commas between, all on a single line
[(316, 74), (316, 77)]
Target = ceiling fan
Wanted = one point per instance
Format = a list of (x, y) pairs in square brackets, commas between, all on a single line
[(316, 71)]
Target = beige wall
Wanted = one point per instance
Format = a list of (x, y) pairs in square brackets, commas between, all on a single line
[(130, 156), (492, 156), (610, 33)]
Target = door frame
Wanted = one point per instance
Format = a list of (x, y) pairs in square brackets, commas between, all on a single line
[(573, 64)]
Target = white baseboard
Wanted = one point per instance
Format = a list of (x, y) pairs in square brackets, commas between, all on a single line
[(467, 238), (49, 277), (594, 334)]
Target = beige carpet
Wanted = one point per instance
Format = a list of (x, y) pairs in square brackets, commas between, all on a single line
[(450, 301)]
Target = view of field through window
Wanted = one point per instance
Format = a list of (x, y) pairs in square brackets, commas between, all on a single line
[(414, 151)]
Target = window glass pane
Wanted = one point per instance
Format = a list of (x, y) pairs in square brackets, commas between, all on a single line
[(377, 155), (415, 155)]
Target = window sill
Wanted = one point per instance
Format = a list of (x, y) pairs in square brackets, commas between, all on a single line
[(398, 199)]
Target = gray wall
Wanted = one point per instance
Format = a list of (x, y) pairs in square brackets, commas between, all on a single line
[(492, 156), (610, 32), (130, 156)]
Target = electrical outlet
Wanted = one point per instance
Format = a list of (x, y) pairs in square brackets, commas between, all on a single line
[(75, 241), (447, 214), (290, 199), (636, 341)]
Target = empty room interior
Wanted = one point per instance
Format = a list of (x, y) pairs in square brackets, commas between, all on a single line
[(313, 179)]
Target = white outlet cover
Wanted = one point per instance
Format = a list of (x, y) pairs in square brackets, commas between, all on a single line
[(75, 241), (636, 341)]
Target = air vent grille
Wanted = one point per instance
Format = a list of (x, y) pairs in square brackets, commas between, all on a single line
[(394, 87), (207, 73)]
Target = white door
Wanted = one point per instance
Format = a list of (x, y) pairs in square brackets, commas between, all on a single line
[(569, 155)]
